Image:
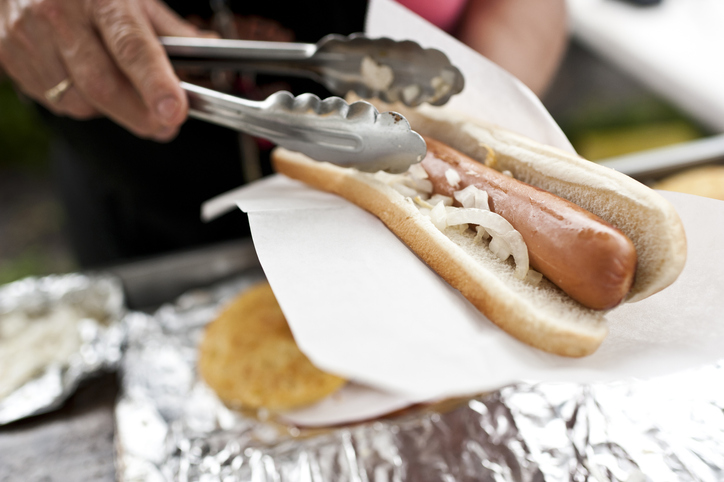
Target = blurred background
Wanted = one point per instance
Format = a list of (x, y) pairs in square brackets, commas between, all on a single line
[(603, 110), (32, 241)]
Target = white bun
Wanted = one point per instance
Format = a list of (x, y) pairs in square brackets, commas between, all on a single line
[(541, 315)]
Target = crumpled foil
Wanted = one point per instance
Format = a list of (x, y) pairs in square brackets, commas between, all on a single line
[(99, 301), (172, 427)]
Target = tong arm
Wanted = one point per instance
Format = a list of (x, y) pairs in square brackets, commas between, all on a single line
[(350, 135), (392, 70), (210, 48)]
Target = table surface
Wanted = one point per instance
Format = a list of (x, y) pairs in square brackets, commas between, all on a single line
[(72, 443)]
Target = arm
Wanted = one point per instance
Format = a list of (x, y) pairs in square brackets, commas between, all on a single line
[(109, 51), (526, 37)]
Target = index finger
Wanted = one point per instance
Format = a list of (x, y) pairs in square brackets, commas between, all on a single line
[(132, 43)]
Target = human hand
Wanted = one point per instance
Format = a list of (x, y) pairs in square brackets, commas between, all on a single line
[(109, 53)]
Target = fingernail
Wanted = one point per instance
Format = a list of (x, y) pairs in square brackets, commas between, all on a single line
[(168, 109)]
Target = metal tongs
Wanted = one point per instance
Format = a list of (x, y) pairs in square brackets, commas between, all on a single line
[(391, 70), (352, 135)]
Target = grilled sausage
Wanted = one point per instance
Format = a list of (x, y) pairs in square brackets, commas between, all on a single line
[(586, 257)]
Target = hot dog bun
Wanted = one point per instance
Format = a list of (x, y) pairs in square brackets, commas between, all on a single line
[(539, 315)]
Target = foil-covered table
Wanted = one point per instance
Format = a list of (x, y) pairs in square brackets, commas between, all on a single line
[(167, 425), (170, 426)]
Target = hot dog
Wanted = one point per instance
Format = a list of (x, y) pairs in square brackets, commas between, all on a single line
[(598, 273), (610, 216)]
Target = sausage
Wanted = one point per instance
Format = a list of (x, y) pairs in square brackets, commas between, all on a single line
[(589, 259)]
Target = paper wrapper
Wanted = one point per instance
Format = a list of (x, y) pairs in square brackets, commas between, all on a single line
[(361, 304)]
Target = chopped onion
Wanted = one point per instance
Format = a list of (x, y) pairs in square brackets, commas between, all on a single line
[(442, 84), (404, 190), (418, 184), (439, 198), (481, 234), (472, 197), (506, 240), (423, 185), (500, 248), (438, 216), (388, 178), (422, 203), (461, 227), (417, 171), (410, 93), (533, 277), (376, 76), (453, 178)]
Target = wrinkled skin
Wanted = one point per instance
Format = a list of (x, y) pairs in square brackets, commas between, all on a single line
[(108, 48)]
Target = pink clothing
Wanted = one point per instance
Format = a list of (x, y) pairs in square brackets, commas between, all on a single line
[(442, 13)]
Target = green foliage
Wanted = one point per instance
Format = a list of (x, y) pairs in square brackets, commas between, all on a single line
[(23, 138), (602, 115), (603, 126), (32, 262), (30, 224)]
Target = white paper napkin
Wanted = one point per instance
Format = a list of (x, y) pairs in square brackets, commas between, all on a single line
[(362, 305), (352, 403)]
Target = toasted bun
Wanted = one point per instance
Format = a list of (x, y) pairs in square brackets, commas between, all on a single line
[(539, 315)]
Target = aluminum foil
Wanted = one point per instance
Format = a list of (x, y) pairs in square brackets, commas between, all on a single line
[(98, 336), (172, 427)]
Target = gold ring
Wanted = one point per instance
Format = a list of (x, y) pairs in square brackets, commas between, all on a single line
[(54, 94)]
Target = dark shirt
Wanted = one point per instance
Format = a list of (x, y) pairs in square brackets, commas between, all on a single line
[(128, 197)]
